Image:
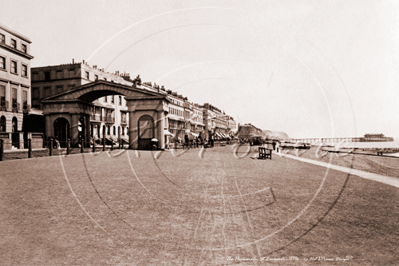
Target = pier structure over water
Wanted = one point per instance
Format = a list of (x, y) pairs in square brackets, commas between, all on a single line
[(366, 138)]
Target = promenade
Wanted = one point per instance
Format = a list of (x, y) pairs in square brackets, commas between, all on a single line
[(192, 208)]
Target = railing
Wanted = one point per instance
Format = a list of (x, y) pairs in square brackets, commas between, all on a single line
[(109, 119), (96, 117)]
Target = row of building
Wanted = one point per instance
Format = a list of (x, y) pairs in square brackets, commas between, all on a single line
[(22, 90)]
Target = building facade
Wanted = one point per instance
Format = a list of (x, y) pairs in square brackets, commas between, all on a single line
[(109, 114), (218, 125), (15, 85)]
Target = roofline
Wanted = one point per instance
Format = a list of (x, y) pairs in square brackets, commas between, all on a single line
[(94, 83), (14, 32)]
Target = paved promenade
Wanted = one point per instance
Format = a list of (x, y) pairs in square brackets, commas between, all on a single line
[(210, 208), (392, 181)]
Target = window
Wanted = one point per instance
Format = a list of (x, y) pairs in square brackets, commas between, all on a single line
[(108, 130), (2, 38), (35, 93), (35, 76), (47, 75), (59, 74), (120, 100), (87, 75), (2, 63), (25, 99), (95, 77), (14, 43), (14, 97), (2, 96), (105, 79), (113, 130), (72, 73), (60, 88), (24, 49), (47, 91), (123, 131), (112, 99), (71, 86), (14, 67), (24, 70), (105, 99)]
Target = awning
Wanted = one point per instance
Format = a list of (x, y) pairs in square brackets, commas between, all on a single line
[(173, 118), (167, 133), (218, 134), (34, 111), (194, 134)]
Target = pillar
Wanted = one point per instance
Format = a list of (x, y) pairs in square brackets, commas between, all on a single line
[(49, 126), (87, 130), (74, 130), (132, 133), (160, 123)]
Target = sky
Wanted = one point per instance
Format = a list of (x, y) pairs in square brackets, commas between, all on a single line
[(309, 68)]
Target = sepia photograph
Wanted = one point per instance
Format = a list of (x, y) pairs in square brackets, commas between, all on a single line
[(199, 132)]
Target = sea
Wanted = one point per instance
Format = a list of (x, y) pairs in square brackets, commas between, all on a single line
[(373, 145), (377, 144)]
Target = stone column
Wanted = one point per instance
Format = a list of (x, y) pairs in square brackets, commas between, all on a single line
[(160, 123), (133, 136), (49, 126), (74, 130), (87, 130)]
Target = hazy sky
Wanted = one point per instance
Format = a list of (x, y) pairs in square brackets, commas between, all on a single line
[(308, 68)]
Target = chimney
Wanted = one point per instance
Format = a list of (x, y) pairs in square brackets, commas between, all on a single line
[(73, 61), (117, 73), (83, 62), (95, 67)]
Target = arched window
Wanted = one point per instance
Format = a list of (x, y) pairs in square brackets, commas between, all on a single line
[(113, 131), (3, 124)]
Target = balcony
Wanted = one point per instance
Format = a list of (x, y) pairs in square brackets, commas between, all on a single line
[(109, 119), (15, 106), (26, 107), (96, 118)]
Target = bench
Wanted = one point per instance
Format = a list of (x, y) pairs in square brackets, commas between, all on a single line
[(265, 153)]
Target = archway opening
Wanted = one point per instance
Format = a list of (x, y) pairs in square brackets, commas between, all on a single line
[(3, 124), (15, 134), (62, 131), (146, 132)]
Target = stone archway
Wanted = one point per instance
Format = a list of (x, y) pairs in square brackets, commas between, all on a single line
[(77, 105)]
